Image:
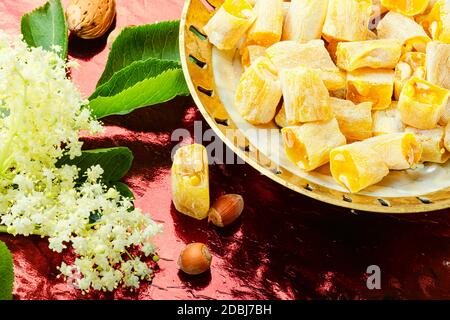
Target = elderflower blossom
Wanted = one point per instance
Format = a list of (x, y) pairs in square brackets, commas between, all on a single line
[(41, 115)]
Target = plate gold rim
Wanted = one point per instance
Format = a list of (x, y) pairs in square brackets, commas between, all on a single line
[(438, 200)]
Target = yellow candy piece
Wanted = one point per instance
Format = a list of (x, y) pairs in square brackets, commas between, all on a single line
[(190, 181), (445, 119), (250, 53), (437, 22), (313, 54), (438, 64), (438, 70), (433, 144), (399, 151), (280, 118), (422, 104), (356, 167), (447, 137), (371, 85), (308, 146), (306, 99), (387, 121), (229, 24), (355, 121), (411, 64), (375, 54), (406, 7), (304, 20), (394, 25), (268, 26), (347, 20), (259, 92)]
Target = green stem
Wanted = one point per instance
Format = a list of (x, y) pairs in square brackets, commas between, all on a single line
[(129, 255), (5, 151)]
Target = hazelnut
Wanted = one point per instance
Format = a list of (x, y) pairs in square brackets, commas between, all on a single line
[(195, 259), (226, 210)]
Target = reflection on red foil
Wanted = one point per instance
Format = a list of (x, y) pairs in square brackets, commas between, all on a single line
[(285, 246)]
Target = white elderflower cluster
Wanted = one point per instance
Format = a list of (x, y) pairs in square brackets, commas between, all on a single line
[(41, 116)]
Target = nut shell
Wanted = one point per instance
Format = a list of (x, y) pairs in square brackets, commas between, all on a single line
[(195, 259), (226, 210), (90, 19)]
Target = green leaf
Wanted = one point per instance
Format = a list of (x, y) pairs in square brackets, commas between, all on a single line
[(6, 273), (116, 162), (46, 27), (158, 41), (123, 189), (143, 69), (4, 112), (159, 89), (134, 73), (94, 217)]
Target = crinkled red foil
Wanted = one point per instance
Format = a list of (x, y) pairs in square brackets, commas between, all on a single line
[(285, 246)]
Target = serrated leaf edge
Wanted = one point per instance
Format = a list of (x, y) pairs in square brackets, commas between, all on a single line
[(186, 93), (124, 70), (65, 49), (122, 34)]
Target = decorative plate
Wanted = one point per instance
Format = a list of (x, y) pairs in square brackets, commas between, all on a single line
[(212, 76)]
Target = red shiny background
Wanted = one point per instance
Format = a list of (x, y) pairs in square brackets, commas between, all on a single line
[(285, 246)]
